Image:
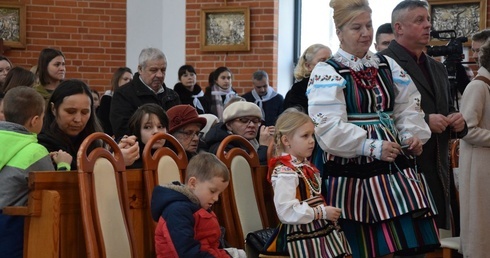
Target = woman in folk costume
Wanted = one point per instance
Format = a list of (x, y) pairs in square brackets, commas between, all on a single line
[(219, 91), (370, 125), (189, 91), (309, 225)]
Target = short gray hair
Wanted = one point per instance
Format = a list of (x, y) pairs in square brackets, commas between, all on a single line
[(148, 54), (259, 75), (406, 5)]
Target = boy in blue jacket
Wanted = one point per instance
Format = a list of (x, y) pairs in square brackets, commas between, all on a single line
[(186, 225), (24, 111)]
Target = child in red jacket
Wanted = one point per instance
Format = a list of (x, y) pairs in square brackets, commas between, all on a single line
[(186, 225)]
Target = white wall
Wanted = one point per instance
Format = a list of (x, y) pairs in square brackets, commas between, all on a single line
[(159, 24), (285, 65)]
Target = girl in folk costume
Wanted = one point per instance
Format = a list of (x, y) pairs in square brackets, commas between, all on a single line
[(219, 91), (309, 227)]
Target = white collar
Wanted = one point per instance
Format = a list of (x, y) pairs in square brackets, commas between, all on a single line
[(354, 62)]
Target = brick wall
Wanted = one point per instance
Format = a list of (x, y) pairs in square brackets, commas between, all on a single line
[(263, 43), (91, 34)]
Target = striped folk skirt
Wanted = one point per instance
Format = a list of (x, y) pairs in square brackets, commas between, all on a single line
[(386, 207)]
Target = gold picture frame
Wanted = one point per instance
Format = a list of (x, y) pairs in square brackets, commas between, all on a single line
[(13, 25), (225, 29), (465, 17)]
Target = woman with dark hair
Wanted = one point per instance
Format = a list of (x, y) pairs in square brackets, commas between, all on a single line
[(219, 91), (50, 70), (189, 91), (146, 121), (18, 76), (5, 66), (70, 118), (121, 76)]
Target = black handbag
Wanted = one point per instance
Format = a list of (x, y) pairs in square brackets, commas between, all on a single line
[(258, 239)]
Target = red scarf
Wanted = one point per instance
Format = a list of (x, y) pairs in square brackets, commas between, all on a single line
[(307, 169)]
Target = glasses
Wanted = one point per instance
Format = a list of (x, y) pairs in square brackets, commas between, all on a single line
[(247, 120), (188, 134)]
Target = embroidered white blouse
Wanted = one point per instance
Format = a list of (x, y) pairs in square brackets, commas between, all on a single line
[(289, 209), (327, 107)]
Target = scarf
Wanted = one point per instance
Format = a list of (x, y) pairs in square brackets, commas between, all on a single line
[(196, 101), (286, 159), (259, 99), (219, 104)]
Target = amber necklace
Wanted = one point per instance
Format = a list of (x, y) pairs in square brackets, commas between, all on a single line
[(368, 75)]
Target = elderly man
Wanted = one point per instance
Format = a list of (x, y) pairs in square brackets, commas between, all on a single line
[(147, 86), (269, 101), (411, 26)]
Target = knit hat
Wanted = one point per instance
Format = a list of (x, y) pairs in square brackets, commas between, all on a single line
[(182, 115), (241, 109)]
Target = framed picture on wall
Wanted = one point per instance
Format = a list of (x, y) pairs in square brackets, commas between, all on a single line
[(13, 25), (225, 29), (465, 17)]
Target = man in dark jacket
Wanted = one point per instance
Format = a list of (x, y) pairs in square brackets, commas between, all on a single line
[(269, 101), (411, 26), (147, 86)]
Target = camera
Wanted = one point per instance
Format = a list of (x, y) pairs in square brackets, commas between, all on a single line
[(453, 57), (453, 50)]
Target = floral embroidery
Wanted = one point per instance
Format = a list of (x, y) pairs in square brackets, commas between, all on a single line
[(403, 74), (311, 81), (327, 77), (319, 119), (418, 108), (372, 147)]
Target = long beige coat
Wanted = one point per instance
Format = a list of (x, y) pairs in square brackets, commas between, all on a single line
[(475, 169)]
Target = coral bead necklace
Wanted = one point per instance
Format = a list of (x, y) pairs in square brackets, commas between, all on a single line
[(368, 75)]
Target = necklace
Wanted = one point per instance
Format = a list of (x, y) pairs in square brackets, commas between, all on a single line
[(368, 75), (310, 183)]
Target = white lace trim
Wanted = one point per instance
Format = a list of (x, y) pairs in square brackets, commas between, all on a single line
[(354, 62)]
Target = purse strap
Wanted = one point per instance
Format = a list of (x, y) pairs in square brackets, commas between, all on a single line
[(483, 79)]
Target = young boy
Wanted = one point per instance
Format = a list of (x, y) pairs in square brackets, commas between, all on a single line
[(186, 225), (24, 111)]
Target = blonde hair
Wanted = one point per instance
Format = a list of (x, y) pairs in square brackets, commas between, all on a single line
[(345, 11), (287, 123), (301, 71), (205, 166)]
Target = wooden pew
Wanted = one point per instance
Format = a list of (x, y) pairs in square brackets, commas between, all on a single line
[(42, 224), (70, 232), (104, 200), (246, 205), (162, 167)]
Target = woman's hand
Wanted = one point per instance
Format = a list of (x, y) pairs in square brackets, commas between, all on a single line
[(61, 156), (130, 149), (414, 146), (390, 150), (266, 135)]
